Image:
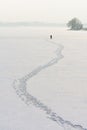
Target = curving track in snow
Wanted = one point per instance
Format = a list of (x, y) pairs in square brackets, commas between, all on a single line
[(20, 86)]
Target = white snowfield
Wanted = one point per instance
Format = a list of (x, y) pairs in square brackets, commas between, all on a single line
[(43, 82)]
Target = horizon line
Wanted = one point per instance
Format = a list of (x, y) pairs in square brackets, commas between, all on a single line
[(31, 23)]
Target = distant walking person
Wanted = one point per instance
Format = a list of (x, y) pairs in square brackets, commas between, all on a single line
[(50, 36)]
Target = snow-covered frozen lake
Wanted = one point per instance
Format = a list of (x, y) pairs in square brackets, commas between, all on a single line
[(53, 72)]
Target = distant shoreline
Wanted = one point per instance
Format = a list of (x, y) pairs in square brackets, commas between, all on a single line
[(30, 24)]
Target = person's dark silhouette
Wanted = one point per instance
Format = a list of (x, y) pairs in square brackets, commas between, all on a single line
[(50, 36)]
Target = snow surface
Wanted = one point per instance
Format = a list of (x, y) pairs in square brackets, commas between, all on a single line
[(39, 90)]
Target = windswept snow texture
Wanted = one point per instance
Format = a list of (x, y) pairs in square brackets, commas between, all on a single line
[(21, 90)]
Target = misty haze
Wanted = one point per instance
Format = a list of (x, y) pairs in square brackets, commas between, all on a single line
[(43, 65)]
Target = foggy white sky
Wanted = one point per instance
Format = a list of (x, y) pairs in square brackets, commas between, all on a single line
[(59, 11)]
